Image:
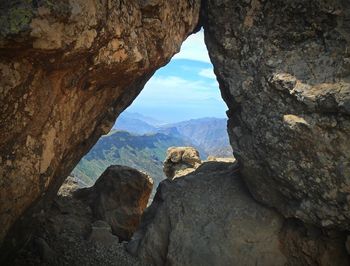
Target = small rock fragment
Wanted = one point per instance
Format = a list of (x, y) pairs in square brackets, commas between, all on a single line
[(180, 161)]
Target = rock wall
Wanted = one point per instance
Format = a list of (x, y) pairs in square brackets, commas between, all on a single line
[(67, 69), (308, 245), (284, 72), (208, 218)]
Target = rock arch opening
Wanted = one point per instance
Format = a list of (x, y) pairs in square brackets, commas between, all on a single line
[(180, 105), (68, 69)]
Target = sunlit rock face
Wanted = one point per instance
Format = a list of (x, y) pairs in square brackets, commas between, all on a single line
[(67, 69), (284, 71), (180, 161)]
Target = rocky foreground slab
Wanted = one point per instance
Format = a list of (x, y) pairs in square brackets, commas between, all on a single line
[(208, 217)]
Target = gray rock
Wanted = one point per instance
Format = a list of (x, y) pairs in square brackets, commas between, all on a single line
[(308, 245), (101, 233), (347, 244), (208, 218), (119, 197), (284, 72), (46, 253), (59, 239)]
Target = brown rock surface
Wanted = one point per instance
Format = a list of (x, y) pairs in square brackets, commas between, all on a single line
[(180, 161), (119, 197), (284, 72), (67, 69)]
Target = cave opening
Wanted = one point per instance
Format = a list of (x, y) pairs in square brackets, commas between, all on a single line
[(179, 106)]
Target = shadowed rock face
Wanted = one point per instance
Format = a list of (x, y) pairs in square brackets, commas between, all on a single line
[(119, 197), (308, 245), (284, 71), (208, 218), (67, 70)]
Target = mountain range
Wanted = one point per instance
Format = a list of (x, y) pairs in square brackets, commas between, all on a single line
[(208, 134), (141, 142)]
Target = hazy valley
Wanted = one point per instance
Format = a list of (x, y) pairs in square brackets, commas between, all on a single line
[(141, 142)]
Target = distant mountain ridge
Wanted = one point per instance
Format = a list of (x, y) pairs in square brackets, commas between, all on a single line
[(134, 125), (143, 152), (137, 123), (139, 144), (208, 134)]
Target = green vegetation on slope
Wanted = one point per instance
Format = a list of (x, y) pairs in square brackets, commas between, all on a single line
[(145, 153), (208, 135)]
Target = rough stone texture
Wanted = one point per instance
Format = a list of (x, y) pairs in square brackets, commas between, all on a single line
[(208, 218), (119, 197), (66, 234), (180, 161), (347, 244), (101, 233), (309, 245), (67, 69), (284, 71)]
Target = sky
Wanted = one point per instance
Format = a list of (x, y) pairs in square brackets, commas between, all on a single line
[(186, 88)]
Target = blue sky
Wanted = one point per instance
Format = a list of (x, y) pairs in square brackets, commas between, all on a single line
[(184, 89)]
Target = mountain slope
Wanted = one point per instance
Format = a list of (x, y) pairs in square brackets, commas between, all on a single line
[(136, 123), (210, 134), (145, 153)]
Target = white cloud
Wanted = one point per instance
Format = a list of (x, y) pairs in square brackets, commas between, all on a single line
[(188, 92), (174, 89), (207, 73), (194, 49)]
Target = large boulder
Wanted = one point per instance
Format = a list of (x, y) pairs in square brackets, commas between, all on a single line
[(67, 70), (119, 197), (208, 218), (284, 71)]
